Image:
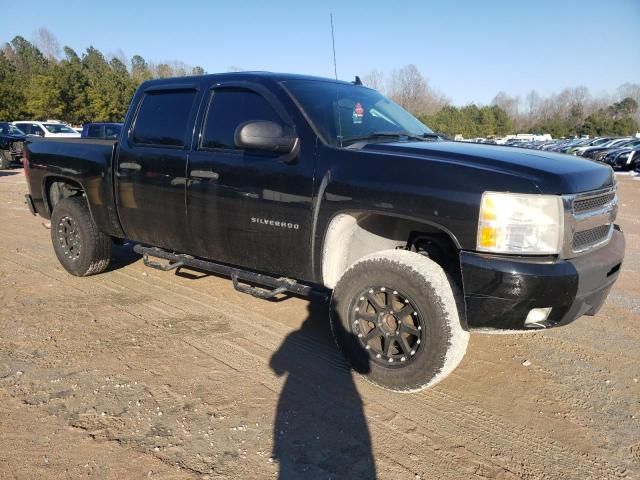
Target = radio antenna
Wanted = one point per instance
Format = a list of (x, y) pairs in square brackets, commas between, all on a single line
[(333, 43), (335, 71)]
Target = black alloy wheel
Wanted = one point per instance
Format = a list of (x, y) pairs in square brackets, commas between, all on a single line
[(388, 325), (69, 237)]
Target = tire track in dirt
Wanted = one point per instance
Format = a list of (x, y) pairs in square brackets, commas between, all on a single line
[(311, 347), (447, 408), (476, 414), (337, 360)]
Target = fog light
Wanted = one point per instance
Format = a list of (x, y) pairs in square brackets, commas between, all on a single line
[(537, 315)]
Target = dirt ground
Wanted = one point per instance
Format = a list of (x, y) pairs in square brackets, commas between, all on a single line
[(137, 373)]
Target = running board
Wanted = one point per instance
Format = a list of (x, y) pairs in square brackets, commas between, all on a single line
[(271, 286)]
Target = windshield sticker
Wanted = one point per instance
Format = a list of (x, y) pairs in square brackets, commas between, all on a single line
[(358, 113)]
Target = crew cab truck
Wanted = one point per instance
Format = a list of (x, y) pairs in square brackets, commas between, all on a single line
[(295, 183)]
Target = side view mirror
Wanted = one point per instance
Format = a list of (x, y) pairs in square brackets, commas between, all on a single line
[(266, 136)]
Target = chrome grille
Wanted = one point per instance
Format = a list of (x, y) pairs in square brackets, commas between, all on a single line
[(588, 221), (593, 236), (593, 203)]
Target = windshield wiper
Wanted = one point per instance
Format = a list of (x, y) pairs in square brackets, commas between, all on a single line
[(400, 135)]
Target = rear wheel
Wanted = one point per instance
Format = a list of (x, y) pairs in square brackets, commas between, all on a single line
[(5, 160), (395, 317), (80, 247)]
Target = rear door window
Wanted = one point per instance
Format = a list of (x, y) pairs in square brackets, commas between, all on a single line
[(228, 108), (163, 118)]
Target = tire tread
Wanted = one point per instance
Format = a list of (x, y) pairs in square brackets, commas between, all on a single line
[(444, 292), (96, 243)]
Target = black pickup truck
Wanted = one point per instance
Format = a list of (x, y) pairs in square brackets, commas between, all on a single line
[(289, 183)]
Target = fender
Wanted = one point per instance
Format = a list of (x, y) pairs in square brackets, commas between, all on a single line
[(390, 235), (100, 208)]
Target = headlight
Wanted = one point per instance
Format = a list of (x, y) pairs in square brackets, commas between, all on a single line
[(520, 223)]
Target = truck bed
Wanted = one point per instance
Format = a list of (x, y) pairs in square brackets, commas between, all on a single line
[(87, 162)]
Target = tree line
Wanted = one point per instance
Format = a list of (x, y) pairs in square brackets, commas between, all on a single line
[(573, 111), (41, 80)]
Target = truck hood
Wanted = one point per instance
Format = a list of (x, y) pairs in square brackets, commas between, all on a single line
[(551, 173)]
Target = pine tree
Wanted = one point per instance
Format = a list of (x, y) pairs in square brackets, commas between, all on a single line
[(12, 104)]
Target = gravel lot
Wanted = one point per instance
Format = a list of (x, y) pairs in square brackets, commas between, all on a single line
[(136, 373)]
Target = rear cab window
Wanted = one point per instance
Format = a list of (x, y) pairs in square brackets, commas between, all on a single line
[(163, 118)]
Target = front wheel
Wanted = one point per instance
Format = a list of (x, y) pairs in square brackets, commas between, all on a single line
[(81, 248), (395, 317)]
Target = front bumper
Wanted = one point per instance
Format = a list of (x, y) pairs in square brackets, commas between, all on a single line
[(499, 291)]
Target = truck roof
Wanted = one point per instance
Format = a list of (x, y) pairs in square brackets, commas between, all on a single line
[(253, 75)]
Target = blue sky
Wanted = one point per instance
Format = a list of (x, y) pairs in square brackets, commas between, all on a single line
[(468, 49)]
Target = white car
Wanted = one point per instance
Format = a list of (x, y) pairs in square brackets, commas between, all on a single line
[(47, 129)]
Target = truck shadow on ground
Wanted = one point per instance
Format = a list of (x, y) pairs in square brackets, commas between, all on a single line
[(123, 255), (8, 173), (320, 429)]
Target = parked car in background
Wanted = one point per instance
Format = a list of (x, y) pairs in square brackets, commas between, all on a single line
[(629, 143), (591, 152), (592, 142), (559, 145), (11, 144), (46, 129), (575, 143), (101, 130), (623, 158)]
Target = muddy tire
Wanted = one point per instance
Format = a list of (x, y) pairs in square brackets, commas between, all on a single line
[(5, 160), (395, 316), (80, 247)]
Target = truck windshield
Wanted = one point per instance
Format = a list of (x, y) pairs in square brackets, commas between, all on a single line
[(343, 113)]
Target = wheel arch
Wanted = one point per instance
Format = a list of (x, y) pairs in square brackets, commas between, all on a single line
[(353, 234), (56, 187)]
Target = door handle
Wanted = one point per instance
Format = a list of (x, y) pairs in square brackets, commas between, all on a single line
[(205, 174), (130, 166)]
